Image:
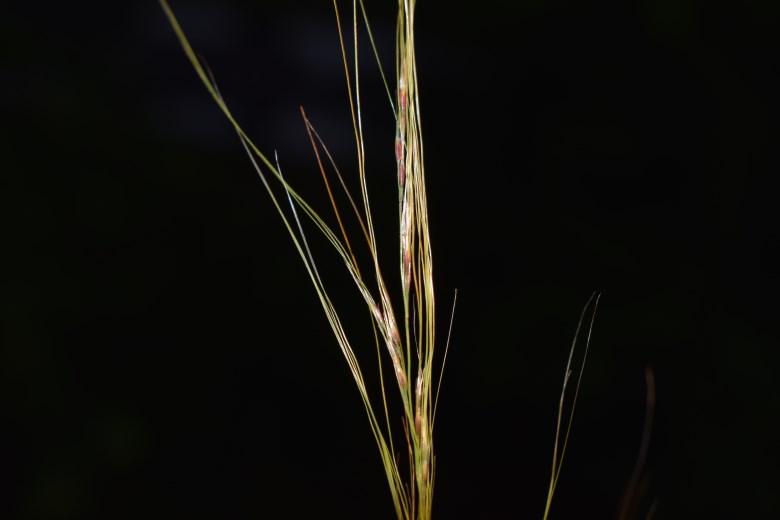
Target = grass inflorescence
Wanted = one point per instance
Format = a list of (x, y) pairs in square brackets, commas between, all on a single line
[(407, 339), (403, 323)]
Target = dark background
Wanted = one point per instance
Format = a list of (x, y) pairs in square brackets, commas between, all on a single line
[(164, 354)]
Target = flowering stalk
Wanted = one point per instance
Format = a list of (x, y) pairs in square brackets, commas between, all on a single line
[(410, 345)]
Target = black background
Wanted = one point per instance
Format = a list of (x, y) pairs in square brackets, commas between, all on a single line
[(164, 354)]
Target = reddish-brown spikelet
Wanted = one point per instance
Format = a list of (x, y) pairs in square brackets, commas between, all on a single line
[(406, 253)]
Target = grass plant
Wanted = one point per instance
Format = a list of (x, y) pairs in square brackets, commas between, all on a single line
[(404, 323), (408, 341)]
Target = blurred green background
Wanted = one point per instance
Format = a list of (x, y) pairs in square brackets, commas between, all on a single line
[(163, 353)]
